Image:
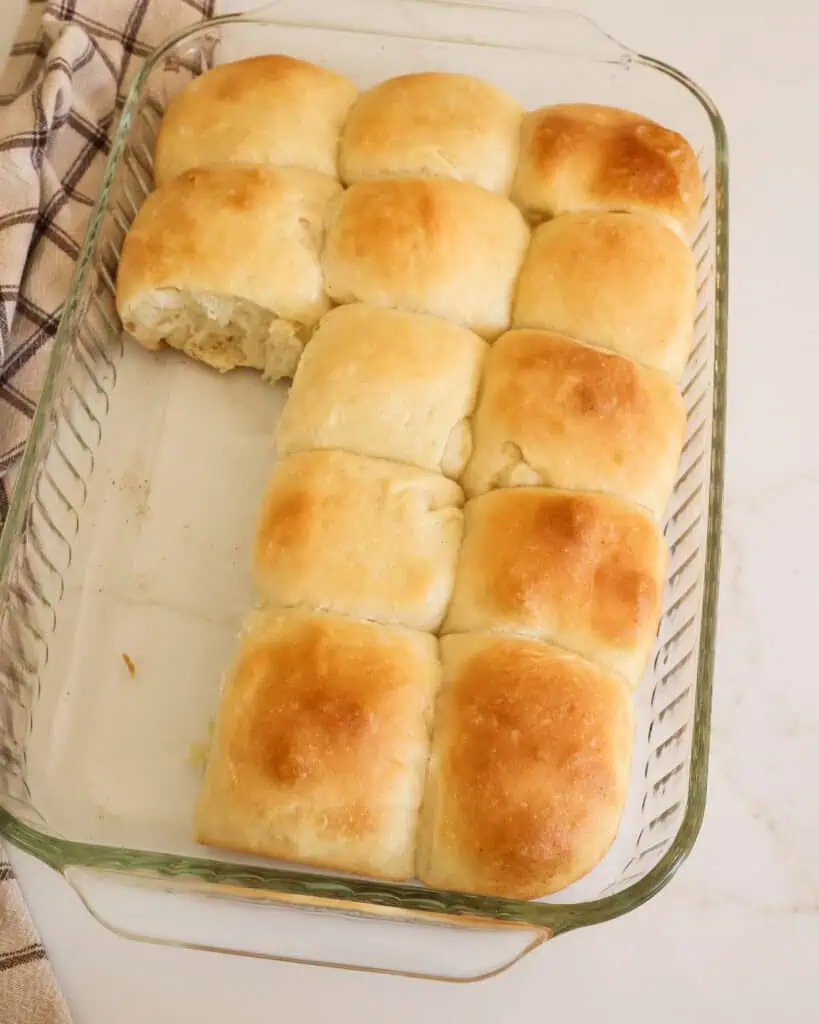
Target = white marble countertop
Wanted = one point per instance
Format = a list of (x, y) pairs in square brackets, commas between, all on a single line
[(737, 932)]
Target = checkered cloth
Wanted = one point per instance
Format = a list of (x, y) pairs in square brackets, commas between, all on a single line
[(60, 97), (28, 991)]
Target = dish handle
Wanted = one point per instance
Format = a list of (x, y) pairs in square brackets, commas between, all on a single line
[(521, 25), (301, 929)]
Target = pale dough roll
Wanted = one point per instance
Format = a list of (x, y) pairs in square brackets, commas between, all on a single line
[(359, 536), (557, 413), (579, 156), (615, 280), (433, 124), (223, 263), (447, 248), (583, 571), (388, 384), (529, 769), (272, 109), (321, 744)]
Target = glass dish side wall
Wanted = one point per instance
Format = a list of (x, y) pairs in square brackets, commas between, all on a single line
[(37, 550)]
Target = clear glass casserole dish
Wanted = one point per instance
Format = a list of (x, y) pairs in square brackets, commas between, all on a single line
[(124, 574)]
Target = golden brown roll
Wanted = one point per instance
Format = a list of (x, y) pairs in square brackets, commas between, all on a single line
[(584, 571), (529, 769), (388, 384), (264, 110), (614, 280), (359, 536), (433, 124), (447, 248), (556, 413), (579, 156), (223, 263), (321, 744)]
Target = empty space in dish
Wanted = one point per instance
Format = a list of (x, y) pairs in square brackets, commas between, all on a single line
[(134, 569), (159, 576)]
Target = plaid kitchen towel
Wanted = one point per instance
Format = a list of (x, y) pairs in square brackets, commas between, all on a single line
[(28, 991), (60, 96)]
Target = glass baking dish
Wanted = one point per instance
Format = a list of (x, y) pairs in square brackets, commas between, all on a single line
[(124, 557)]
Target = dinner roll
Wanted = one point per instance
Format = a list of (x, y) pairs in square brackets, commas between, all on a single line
[(578, 156), (223, 263), (363, 537), (321, 744), (378, 382), (529, 771), (264, 110), (615, 280), (557, 413), (435, 246), (433, 124), (584, 571)]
